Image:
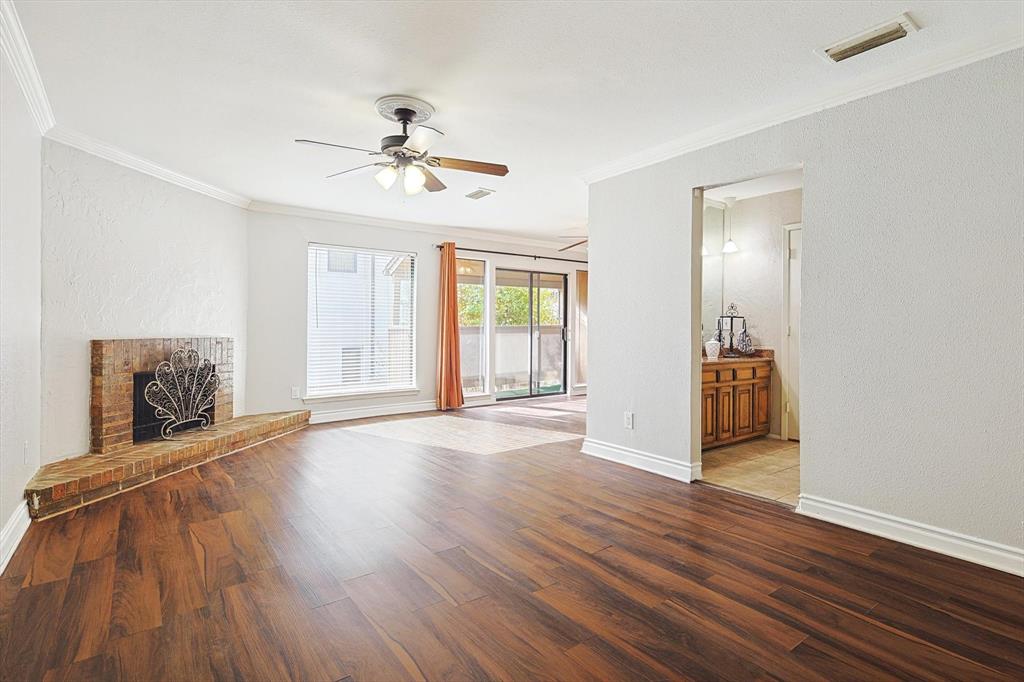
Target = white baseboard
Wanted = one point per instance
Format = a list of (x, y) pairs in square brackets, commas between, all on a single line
[(941, 540), (12, 533), (638, 459), (479, 400), (325, 416)]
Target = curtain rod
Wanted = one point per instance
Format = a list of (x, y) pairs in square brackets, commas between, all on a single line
[(509, 253)]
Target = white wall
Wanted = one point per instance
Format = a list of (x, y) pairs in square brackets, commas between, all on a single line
[(753, 276), (711, 272), (277, 306), (913, 256), (19, 293), (125, 255)]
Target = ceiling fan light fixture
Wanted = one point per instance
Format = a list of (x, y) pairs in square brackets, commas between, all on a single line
[(414, 180), (386, 176)]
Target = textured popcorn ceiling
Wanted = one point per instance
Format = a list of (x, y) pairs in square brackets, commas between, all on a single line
[(217, 90)]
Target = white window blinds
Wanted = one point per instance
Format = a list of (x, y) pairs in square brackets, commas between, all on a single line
[(361, 321)]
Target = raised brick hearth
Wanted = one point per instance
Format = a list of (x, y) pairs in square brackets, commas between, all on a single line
[(116, 463), (70, 483), (114, 363)]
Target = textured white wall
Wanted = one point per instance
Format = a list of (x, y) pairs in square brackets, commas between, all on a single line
[(125, 255), (711, 271), (277, 302), (753, 276), (19, 293), (913, 254)]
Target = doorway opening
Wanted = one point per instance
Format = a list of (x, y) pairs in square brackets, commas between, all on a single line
[(751, 245), (530, 333)]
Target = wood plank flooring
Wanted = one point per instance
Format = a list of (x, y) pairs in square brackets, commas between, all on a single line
[(334, 555)]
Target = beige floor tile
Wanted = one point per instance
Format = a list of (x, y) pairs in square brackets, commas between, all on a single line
[(765, 467)]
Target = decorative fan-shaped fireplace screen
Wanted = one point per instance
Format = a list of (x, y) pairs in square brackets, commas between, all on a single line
[(184, 390)]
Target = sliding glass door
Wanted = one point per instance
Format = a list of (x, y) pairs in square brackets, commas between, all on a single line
[(530, 310)]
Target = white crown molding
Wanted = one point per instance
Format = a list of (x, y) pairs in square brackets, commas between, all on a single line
[(19, 54), (109, 152), (369, 221), (902, 74), (941, 540), (12, 533), (638, 459)]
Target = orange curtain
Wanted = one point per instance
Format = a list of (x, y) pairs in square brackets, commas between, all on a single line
[(449, 373)]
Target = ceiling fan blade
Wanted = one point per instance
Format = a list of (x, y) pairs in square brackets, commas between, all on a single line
[(339, 146), (422, 138), (471, 166), (433, 183), (334, 175), (573, 246)]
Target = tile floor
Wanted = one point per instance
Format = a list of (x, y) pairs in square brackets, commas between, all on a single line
[(766, 467)]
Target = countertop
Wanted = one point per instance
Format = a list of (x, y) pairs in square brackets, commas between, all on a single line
[(762, 355)]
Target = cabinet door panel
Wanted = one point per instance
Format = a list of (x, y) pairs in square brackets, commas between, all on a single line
[(725, 415), (708, 410), (762, 406), (744, 399)]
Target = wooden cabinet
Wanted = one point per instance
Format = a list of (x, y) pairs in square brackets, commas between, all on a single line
[(735, 400)]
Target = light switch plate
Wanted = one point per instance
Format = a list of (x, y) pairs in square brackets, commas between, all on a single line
[(295, 391), (627, 419)]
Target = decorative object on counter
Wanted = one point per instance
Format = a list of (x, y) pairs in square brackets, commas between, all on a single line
[(744, 344), (712, 348), (728, 325), (184, 390)]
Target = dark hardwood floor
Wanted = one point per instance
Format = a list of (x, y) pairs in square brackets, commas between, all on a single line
[(334, 555)]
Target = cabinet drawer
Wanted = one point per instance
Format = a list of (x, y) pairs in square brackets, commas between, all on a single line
[(708, 377), (724, 375), (744, 373)]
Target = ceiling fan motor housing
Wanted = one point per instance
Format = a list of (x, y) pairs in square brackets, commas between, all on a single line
[(392, 144)]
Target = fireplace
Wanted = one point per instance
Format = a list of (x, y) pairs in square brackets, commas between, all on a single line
[(145, 424), (116, 385)]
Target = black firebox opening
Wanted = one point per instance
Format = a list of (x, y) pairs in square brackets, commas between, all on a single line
[(145, 425)]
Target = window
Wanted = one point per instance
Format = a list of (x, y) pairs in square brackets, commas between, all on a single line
[(470, 276), (361, 321), (342, 261)]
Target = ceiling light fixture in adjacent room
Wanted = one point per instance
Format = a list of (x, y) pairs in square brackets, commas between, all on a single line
[(730, 246)]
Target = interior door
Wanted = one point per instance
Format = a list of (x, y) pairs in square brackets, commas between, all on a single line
[(793, 359), (530, 343)]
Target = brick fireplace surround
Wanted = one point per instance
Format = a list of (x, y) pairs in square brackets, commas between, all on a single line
[(116, 464), (114, 363)]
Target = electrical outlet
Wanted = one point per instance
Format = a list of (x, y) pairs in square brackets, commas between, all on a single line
[(295, 391), (627, 419), (24, 453)]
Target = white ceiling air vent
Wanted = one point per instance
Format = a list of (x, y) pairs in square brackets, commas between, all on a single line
[(480, 193), (874, 37)]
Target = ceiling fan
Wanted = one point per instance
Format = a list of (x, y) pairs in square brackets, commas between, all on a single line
[(406, 154), (579, 240)]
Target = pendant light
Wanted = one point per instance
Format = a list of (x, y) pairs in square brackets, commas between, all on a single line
[(730, 246)]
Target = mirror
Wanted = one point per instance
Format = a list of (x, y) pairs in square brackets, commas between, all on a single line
[(713, 272)]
